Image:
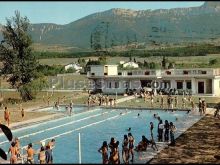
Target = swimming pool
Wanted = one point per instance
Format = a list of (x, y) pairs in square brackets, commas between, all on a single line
[(95, 126)]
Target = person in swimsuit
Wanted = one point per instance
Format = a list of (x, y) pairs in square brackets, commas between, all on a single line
[(7, 116), (13, 151), (52, 145), (17, 144), (161, 101), (111, 146), (142, 145), (42, 156), (151, 128), (48, 154), (71, 108), (175, 101), (200, 106), (115, 154), (125, 150), (104, 151), (22, 113), (30, 154), (131, 146), (167, 128), (172, 131)]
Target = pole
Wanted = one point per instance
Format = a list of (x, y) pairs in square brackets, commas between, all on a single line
[(79, 150), (22, 154)]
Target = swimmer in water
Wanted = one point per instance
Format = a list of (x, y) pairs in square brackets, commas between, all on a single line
[(176, 118), (138, 114), (120, 113), (129, 129)]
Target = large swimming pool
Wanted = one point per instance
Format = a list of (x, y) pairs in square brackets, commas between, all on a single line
[(95, 126)]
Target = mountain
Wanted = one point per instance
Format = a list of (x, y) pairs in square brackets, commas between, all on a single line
[(123, 26)]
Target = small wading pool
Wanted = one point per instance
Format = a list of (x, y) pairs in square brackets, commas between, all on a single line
[(95, 126)]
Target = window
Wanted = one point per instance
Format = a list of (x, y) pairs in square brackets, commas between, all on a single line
[(189, 85), (116, 84), (185, 72), (179, 85), (110, 85)]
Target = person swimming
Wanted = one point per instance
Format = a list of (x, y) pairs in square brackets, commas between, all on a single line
[(138, 114), (129, 129)]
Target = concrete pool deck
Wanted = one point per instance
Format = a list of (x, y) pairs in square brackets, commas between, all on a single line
[(199, 144)]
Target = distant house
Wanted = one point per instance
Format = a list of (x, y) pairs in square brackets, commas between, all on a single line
[(130, 65), (122, 62), (75, 66)]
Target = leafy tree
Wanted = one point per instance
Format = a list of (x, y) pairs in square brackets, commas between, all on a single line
[(71, 70), (213, 61), (19, 64)]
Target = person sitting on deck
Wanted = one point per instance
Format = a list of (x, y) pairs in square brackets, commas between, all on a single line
[(216, 113), (142, 145)]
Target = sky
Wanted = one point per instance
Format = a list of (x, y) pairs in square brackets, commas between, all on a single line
[(66, 11)]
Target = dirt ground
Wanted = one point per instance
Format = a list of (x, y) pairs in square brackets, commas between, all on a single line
[(199, 144)]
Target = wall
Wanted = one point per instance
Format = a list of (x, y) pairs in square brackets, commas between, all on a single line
[(112, 70), (98, 70), (215, 87)]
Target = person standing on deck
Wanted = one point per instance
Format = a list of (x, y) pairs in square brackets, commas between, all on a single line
[(200, 106), (167, 128), (151, 129), (42, 155), (13, 151), (104, 151), (17, 145), (125, 150), (175, 101), (71, 107), (7, 116), (30, 154), (193, 105), (171, 102), (160, 131), (22, 113), (152, 100), (172, 131), (203, 107), (131, 146), (161, 101)]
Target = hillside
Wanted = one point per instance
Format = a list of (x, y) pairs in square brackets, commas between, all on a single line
[(125, 26)]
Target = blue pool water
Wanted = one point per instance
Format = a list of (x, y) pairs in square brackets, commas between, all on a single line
[(95, 126)]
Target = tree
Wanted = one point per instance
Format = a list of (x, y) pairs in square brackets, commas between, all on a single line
[(213, 61), (19, 63)]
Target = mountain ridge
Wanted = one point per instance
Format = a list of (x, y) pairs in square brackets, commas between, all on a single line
[(119, 26)]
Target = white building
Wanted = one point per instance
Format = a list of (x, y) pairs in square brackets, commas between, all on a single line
[(197, 80), (121, 62), (130, 65), (74, 66)]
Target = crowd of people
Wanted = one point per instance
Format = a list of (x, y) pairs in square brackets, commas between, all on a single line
[(165, 132), (172, 101), (101, 100), (44, 154)]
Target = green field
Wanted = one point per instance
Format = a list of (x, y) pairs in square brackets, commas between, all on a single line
[(181, 62)]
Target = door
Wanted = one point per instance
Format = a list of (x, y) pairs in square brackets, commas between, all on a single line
[(200, 87)]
